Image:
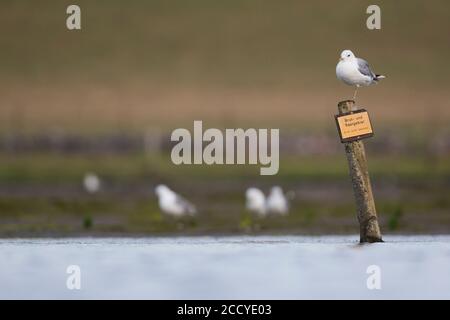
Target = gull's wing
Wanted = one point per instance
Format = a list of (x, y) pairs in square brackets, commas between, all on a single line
[(364, 68), (186, 205)]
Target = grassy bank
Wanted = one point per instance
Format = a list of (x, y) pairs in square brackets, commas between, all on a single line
[(55, 168), (43, 195)]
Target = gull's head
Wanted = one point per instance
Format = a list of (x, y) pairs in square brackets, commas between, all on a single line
[(276, 190), (162, 190), (346, 55), (253, 194)]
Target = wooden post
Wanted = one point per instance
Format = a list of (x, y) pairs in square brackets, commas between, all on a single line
[(359, 173)]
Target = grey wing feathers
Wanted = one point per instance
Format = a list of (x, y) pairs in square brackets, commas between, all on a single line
[(188, 207), (364, 68)]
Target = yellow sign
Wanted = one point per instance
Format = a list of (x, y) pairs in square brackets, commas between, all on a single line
[(354, 125)]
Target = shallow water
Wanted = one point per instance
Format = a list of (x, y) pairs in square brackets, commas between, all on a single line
[(225, 268)]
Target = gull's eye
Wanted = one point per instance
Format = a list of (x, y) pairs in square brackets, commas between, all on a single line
[(348, 55)]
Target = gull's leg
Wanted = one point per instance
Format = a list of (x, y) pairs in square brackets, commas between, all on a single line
[(354, 95)]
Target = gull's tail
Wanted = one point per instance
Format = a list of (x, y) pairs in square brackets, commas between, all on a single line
[(379, 77)]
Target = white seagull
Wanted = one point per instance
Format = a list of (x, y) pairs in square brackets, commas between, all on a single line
[(277, 202), (91, 183), (172, 204), (256, 201), (355, 71)]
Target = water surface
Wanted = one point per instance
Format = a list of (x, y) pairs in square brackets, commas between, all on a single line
[(263, 267)]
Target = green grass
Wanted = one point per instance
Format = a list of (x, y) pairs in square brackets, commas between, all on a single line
[(54, 168), (141, 216), (127, 205), (229, 42)]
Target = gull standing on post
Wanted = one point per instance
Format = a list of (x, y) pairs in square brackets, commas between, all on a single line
[(172, 204), (355, 71)]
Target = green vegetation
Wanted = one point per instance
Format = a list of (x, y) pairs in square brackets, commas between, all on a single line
[(43, 194), (394, 218), (87, 222), (233, 43), (54, 168)]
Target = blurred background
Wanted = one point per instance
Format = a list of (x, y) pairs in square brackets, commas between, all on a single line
[(104, 100)]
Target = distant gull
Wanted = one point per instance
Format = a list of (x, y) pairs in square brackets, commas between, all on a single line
[(173, 204), (355, 71), (91, 183), (256, 201), (277, 202)]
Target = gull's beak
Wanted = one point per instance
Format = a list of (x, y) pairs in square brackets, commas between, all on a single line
[(340, 59)]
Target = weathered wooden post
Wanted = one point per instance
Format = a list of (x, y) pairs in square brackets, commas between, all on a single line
[(354, 125)]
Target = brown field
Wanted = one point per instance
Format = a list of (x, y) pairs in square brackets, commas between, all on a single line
[(145, 64), (100, 108)]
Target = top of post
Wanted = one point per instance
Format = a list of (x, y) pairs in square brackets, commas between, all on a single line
[(346, 106)]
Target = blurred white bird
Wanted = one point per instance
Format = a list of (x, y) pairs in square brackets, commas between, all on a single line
[(277, 202), (355, 71), (91, 183), (172, 204), (256, 201)]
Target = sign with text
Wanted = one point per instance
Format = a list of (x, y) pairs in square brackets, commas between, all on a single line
[(354, 125)]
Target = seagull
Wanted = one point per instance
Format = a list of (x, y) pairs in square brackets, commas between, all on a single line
[(277, 202), (91, 183), (172, 204), (355, 71), (256, 201)]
